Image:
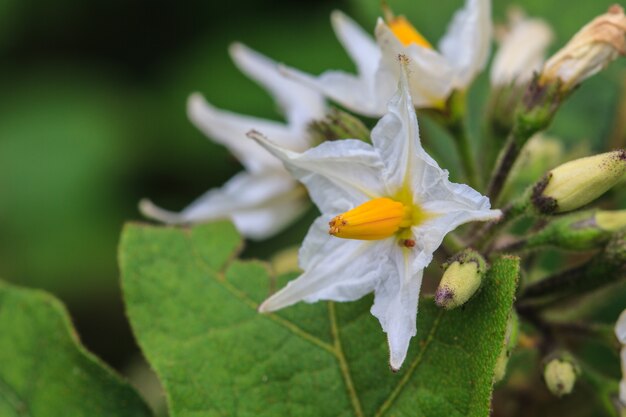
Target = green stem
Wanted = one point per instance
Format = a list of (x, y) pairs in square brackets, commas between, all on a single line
[(503, 167), (459, 132), (453, 243), (605, 388), (483, 236)]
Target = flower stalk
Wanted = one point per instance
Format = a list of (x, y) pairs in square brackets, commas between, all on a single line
[(605, 268)]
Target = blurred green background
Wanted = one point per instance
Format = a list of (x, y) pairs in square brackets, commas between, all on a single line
[(92, 118)]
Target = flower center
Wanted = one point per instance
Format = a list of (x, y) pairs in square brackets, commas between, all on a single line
[(406, 33), (376, 219)]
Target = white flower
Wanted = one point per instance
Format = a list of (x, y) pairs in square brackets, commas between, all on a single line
[(264, 198), (620, 332), (462, 54), (522, 50), (389, 207)]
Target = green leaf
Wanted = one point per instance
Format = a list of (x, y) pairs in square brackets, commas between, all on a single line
[(193, 311), (45, 372)]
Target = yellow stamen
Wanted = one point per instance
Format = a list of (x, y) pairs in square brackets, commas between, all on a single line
[(406, 33), (376, 219)]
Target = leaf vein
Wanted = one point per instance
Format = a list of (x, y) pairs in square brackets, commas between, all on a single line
[(414, 365), (343, 363), (221, 280)]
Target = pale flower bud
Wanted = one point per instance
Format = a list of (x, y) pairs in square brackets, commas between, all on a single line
[(461, 279), (591, 49), (560, 376), (582, 230), (338, 124), (522, 49), (611, 221), (576, 183)]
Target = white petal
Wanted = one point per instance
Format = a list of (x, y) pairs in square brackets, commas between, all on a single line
[(522, 52), (259, 205), (395, 304), (229, 129), (335, 269), (357, 93), (623, 360), (452, 205), (432, 76), (620, 328), (362, 93), (357, 43), (299, 103), (339, 175), (396, 138), (467, 41)]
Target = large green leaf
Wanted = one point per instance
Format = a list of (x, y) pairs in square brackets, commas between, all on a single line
[(45, 372), (193, 311)]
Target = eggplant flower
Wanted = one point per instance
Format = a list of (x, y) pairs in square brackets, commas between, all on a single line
[(386, 207), (620, 332), (522, 51), (264, 198), (463, 53)]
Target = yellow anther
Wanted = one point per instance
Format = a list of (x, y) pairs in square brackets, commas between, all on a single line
[(406, 33), (376, 219)]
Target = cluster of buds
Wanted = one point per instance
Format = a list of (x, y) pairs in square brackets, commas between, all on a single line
[(593, 48)]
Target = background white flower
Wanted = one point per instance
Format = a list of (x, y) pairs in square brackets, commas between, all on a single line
[(522, 51), (395, 171), (264, 198), (463, 53)]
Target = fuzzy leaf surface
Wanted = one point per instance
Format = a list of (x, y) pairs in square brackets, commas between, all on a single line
[(193, 310)]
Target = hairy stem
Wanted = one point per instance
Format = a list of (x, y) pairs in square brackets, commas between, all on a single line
[(501, 171)]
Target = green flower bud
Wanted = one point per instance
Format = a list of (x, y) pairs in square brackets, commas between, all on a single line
[(560, 375), (579, 231), (461, 279), (604, 268), (338, 125), (579, 182)]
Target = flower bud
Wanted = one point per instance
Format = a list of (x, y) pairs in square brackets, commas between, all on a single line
[(338, 124), (461, 279), (611, 221), (576, 183), (605, 268), (522, 49), (591, 49), (579, 231), (560, 375)]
